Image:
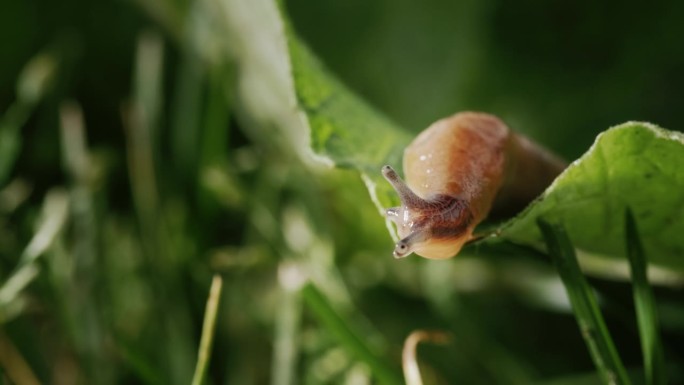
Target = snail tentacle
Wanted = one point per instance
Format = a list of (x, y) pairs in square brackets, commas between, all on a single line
[(406, 195), (406, 246), (457, 171)]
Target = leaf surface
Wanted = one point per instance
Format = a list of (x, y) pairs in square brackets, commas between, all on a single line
[(636, 165), (633, 164)]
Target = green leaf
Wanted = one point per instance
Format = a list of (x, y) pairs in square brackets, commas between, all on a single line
[(587, 313), (344, 129), (635, 165), (647, 317)]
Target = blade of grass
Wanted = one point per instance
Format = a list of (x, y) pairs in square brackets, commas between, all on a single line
[(647, 317), (585, 308), (348, 338), (11, 360), (84, 284), (52, 220), (141, 121), (204, 353), (214, 140), (34, 82), (287, 325), (215, 135), (187, 103)]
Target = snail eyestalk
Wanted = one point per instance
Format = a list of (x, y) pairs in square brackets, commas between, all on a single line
[(456, 172), (404, 216), (406, 246), (406, 195)]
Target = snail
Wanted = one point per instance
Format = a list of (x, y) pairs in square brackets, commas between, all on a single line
[(457, 171)]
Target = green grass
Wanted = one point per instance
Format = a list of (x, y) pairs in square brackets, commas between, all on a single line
[(348, 338), (646, 311), (146, 147), (208, 327), (584, 304), (589, 318)]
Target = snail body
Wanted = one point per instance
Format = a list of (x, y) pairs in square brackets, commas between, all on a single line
[(457, 171)]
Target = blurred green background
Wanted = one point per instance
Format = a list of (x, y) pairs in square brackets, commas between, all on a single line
[(146, 145)]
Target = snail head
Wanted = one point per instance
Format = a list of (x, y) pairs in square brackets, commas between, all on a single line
[(434, 227)]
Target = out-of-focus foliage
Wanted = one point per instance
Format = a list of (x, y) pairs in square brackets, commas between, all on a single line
[(162, 144)]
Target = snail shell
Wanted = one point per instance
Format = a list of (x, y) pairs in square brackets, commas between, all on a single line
[(457, 171)]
